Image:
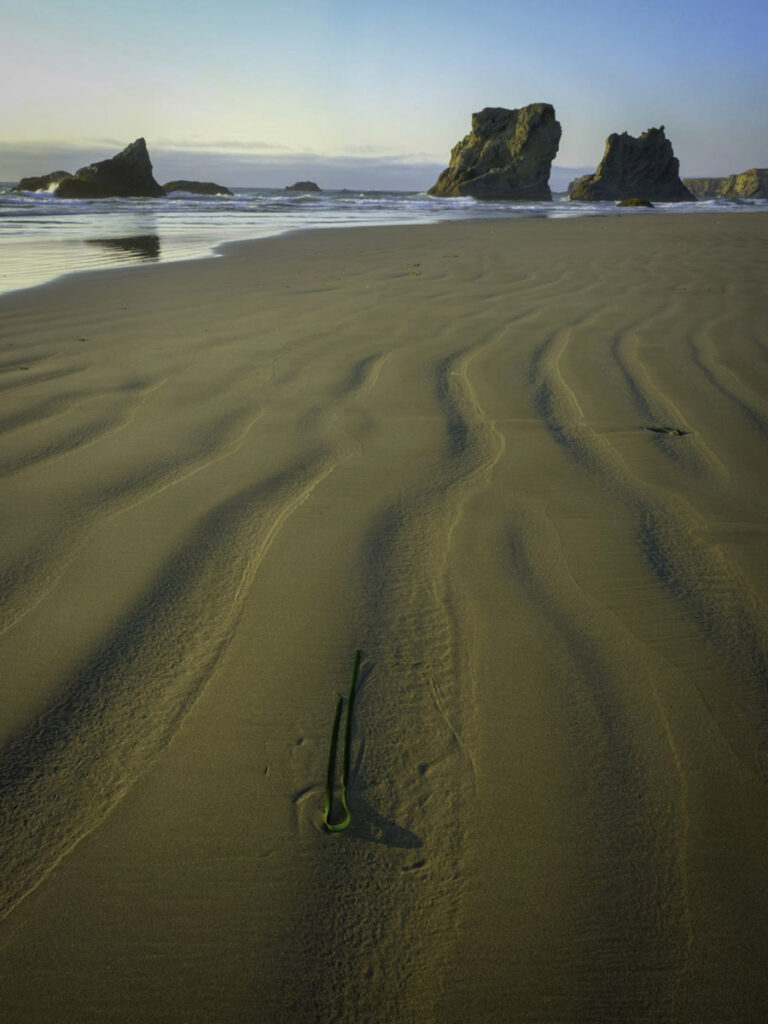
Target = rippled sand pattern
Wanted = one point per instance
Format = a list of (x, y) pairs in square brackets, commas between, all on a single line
[(522, 467)]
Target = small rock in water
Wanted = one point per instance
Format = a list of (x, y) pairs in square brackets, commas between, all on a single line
[(202, 188)]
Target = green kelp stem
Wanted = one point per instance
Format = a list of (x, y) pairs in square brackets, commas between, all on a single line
[(345, 772), (329, 776)]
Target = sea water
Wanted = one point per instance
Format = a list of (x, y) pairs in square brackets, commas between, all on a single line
[(43, 237)]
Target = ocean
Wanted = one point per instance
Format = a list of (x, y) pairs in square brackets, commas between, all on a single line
[(42, 237)]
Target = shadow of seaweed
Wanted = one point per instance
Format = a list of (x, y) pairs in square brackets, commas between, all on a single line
[(371, 827)]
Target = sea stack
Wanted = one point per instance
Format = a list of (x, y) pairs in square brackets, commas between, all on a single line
[(507, 155), (128, 173), (644, 167)]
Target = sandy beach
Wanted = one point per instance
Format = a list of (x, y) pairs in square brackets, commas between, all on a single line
[(522, 466)]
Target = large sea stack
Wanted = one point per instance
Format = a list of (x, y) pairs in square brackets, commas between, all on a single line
[(752, 184), (644, 167), (507, 155), (127, 174)]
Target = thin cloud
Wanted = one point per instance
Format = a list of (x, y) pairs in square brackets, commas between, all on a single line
[(221, 145), (382, 153), (361, 150), (35, 146)]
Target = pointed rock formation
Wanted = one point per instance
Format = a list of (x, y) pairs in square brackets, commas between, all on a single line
[(507, 155), (127, 174), (752, 184), (635, 167)]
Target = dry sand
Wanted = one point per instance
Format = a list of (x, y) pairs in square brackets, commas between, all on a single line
[(447, 446)]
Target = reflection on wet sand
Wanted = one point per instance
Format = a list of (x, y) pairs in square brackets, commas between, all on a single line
[(143, 247)]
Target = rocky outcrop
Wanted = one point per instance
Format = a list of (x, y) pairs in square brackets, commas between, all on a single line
[(41, 183), (127, 174), (635, 167), (201, 188), (752, 184), (635, 201), (705, 188), (572, 185), (507, 155), (303, 186)]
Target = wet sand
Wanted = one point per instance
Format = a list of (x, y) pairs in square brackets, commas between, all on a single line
[(523, 467)]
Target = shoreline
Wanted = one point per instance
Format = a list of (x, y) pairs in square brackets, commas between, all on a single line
[(521, 466), (136, 247)]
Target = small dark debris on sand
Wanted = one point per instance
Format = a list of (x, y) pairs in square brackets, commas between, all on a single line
[(674, 431)]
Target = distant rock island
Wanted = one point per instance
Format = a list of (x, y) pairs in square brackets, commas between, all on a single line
[(752, 184), (303, 186), (508, 154), (201, 188), (645, 167)]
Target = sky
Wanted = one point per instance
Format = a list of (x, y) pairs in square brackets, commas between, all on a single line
[(370, 95)]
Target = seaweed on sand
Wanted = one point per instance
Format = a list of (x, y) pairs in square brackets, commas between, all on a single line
[(329, 784)]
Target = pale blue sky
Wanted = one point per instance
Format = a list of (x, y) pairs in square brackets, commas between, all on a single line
[(251, 92)]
